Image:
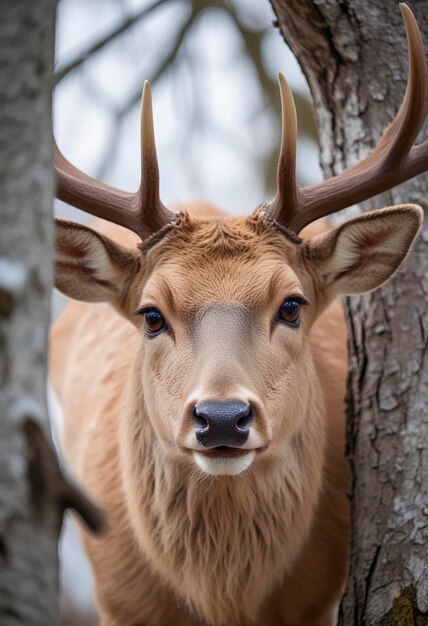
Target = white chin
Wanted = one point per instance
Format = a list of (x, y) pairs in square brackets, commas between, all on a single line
[(223, 466)]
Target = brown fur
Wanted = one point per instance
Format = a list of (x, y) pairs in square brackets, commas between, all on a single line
[(266, 547)]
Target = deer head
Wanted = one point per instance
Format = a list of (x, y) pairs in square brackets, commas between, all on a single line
[(224, 306)]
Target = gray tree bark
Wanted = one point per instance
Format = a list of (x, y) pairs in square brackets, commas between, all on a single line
[(33, 488), (354, 56), (28, 530)]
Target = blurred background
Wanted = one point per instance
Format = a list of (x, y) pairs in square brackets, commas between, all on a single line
[(213, 68)]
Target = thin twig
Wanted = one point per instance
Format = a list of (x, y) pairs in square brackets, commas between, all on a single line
[(135, 97), (168, 60), (108, 38), (252, 40)]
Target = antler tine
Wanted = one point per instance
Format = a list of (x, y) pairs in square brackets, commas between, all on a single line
[(141, 212), (393, 161), (152, 212), (287, 190)]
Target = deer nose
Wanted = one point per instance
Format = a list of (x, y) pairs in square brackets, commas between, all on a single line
[(222, 422)]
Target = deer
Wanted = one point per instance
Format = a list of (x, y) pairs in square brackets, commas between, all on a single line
[(201, 368)]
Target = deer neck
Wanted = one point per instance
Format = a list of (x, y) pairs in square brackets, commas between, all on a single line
[(220, 540)]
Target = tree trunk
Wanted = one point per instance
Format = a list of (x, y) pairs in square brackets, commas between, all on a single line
[(29, 523), (354, 55)]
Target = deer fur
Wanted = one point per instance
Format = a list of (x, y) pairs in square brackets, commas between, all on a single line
[(267, 546)]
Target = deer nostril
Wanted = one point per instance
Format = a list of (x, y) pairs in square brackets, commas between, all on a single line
[(199, 420), (245, 420)]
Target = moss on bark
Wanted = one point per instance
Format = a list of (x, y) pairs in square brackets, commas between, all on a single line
[(405, 611)]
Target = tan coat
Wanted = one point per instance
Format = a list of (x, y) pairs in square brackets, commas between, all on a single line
[(266, 547)]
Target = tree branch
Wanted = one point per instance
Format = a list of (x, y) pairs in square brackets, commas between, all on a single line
[(135, 97), (108, 38)]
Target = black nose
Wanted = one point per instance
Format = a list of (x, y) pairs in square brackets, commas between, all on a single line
[(222, 422)]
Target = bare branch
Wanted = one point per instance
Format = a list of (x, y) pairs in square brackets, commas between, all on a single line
[(108, 38), (134, 98), (169, 59), (48, 479), (252, 40)]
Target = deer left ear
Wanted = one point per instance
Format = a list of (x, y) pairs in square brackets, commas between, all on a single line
[(365, 252), (91, 267)]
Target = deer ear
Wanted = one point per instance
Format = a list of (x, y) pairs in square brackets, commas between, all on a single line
[(90, 266), (363, 253)]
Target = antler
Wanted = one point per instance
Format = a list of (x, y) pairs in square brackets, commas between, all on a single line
[(393, 161), (142, 211)]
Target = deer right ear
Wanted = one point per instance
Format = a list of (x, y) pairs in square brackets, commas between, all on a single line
[(90, 266), (363, 253)]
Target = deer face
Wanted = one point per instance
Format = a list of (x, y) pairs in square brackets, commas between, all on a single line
[(224, 325), (224, 309)]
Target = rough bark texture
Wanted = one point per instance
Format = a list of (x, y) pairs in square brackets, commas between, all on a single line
[(29, 522), (354, 55)]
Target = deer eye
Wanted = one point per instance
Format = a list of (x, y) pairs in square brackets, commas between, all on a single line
[(154, 322), (289, 311)]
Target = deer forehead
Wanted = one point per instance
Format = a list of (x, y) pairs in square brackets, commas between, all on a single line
[(223, 261)]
